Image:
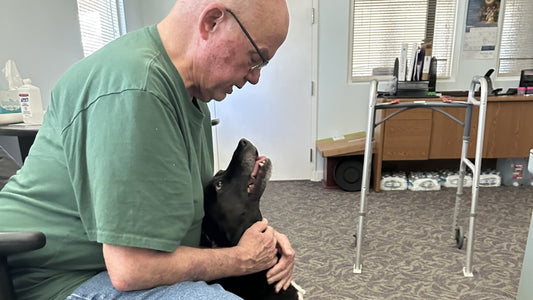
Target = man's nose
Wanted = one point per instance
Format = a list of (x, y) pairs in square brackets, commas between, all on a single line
[(253, 76)]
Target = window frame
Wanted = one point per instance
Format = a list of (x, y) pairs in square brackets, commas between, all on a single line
[(502, 35), (113, 18), (452, 53)]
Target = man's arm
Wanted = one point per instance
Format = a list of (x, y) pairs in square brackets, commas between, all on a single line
[(137, 268)]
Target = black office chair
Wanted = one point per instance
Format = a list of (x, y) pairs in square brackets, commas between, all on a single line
[(12, 243)]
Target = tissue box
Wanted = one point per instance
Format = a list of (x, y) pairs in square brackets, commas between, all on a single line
[(9, 107)]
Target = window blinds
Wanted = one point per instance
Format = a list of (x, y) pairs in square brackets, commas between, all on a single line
[(516, 44), (101, 21), (381, 26)]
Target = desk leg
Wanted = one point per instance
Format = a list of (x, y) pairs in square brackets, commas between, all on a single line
[(25, 143), (329, 168), (377, 164)]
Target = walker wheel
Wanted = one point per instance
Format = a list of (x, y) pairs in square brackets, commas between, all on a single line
[(459, 237)]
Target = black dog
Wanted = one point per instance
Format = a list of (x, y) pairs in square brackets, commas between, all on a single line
[(231, 203)]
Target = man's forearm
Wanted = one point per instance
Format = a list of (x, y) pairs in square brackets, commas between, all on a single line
[(136, 268)]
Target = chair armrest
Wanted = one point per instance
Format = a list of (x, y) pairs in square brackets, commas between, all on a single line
[(17, 242)]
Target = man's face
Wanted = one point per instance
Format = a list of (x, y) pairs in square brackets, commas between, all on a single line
[(229, 67), (233, 57)]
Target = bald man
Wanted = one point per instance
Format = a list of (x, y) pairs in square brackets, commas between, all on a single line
[(115, 176)]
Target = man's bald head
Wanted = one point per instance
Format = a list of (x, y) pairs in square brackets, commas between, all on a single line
[(264, 19), (268, 18), (202, 37)]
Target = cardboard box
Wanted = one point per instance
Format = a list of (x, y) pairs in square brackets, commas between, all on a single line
[(349, 144)]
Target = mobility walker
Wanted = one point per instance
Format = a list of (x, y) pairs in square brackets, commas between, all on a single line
[(475, 167)]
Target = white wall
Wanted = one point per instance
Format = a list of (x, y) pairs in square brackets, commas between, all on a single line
[(43, 38), (140, 13)]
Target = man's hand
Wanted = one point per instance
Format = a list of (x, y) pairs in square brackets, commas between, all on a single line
[(283, 270), (258, 247)]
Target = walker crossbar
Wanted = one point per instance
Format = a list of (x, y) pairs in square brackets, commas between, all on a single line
[(464, 161), (412, 105)]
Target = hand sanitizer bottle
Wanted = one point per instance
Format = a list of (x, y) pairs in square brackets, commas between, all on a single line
[(30, 103)]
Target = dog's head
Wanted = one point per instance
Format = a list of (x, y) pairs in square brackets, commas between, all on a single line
[(231, 197)]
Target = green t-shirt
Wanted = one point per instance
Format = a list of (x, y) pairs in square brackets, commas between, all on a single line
[(121, 158)]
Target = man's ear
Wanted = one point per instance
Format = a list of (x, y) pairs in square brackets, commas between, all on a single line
[(210, 17)]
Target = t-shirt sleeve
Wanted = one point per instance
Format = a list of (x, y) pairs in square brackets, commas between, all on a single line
[(128, 161)]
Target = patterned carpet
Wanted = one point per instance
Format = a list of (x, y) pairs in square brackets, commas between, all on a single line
[(408, 251)]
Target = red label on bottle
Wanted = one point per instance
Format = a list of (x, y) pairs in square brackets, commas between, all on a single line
[(23, 95)]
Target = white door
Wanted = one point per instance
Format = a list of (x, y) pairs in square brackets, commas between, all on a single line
[(275, 114)]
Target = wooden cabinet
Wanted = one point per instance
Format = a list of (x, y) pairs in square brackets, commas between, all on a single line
[(509, 129), (447, 135), (408, 135), (424, 134)]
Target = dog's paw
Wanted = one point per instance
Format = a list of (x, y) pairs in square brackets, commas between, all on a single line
[(299, 289)]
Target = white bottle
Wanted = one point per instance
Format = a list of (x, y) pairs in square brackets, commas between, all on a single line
[(529, 170), (530, 163), (30, 103)]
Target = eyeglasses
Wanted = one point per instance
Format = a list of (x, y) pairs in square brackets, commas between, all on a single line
[(264, 60)]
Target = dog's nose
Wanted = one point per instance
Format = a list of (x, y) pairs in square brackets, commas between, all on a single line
[(243, 142)]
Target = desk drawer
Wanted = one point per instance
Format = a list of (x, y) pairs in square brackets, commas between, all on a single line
[(406, 139)]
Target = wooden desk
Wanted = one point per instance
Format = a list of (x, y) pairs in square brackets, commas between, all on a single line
[(419, 135), (25, 134)]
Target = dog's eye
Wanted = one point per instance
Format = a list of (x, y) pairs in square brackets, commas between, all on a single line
[(218, 186)]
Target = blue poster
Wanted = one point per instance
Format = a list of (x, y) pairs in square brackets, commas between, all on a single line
[(482, 13)]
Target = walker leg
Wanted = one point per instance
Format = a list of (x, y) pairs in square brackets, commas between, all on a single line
[(357, 268), (457, 231), (476, 167)]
